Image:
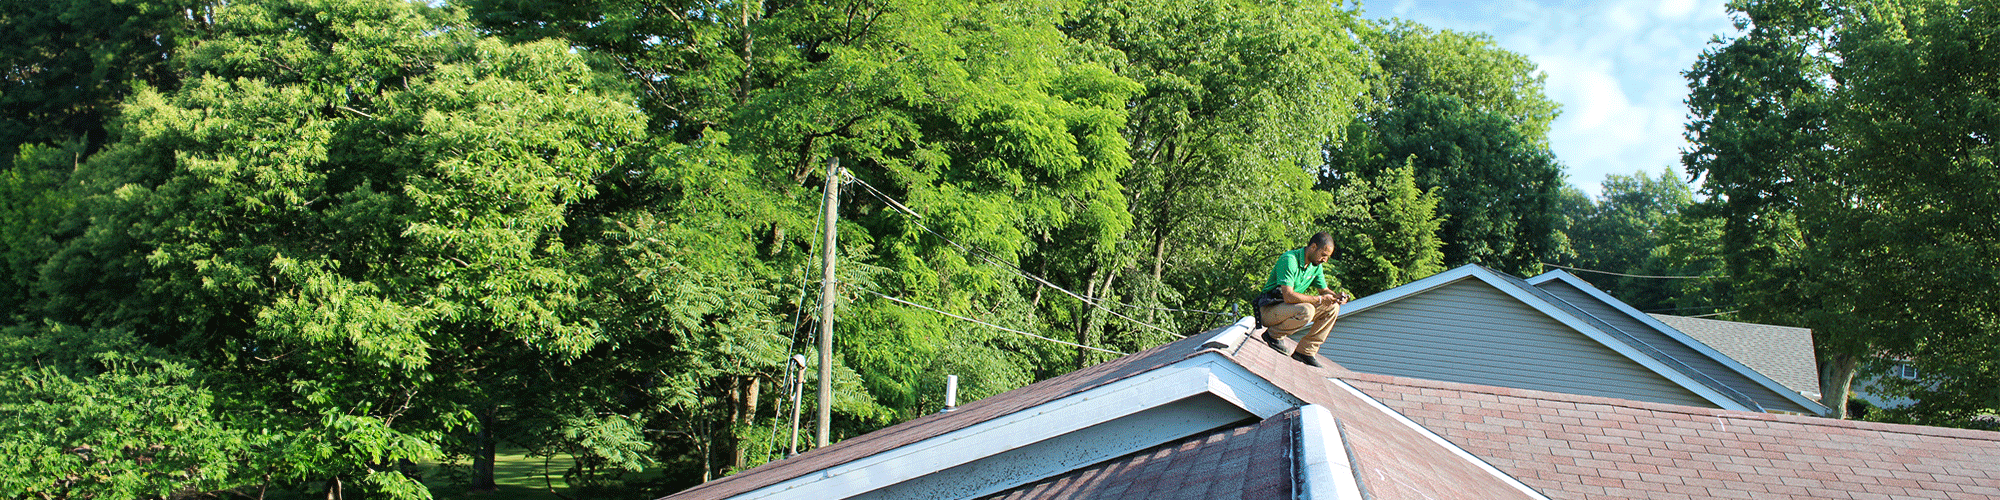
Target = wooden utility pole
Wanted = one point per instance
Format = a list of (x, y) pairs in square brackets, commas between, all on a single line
[(826, 303)]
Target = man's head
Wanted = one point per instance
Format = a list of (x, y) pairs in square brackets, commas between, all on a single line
[(1319, 248)]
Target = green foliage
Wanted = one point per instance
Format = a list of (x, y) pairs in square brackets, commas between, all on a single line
[(1498, 187), (1239, 97), (88, 413), (1623, 232), (1396, 240), (70, 62), (32, 201), (1418, 60), (1472, 122), (1844, 144), (379, 232)]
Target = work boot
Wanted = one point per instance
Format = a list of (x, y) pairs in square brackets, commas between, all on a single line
[(1309, 359), (1276, 345)]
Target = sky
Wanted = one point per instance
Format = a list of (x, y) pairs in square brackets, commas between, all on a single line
[(1614, 65)]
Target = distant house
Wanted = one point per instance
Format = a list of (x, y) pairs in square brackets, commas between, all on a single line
[(1615, 412), (1552, 332)]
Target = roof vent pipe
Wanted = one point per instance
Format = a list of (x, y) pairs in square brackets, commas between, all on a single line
[(950, 392)]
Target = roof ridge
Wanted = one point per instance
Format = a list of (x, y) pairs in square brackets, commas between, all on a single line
[(1729, 321), (1912, 429)]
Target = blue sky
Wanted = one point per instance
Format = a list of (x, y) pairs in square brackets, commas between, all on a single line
[(1615, 65)]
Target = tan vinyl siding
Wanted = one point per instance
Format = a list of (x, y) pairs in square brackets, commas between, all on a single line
[(1471, 332), (1679, 351)]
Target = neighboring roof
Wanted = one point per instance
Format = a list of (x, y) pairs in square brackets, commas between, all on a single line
[(1769, 394), (1781, 352), (1703, 371), (1576, 447), (1046, 439)]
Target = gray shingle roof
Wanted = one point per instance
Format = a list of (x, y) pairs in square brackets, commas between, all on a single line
[(1783, 353)]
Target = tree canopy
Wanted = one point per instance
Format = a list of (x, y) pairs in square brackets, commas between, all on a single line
[(321, 246)]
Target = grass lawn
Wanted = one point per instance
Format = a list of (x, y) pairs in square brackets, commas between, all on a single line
[(516, 474)]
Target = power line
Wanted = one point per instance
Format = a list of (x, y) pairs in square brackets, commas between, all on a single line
[(1635, 275), (1175, 311), (990, 259), (988, 325)]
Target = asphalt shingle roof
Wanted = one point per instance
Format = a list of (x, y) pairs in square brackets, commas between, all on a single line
[(1783, 353), (1577, 447), (1252, 461)]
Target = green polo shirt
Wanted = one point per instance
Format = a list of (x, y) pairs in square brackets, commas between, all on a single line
[(1291, 270)]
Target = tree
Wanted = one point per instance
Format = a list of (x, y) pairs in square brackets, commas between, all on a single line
[(1917, 96), (1831, 130), (94, 414), (369, 210), (71, 62), (1238, 98), (1395, 240), (1472, 121), (979, 117), (1622, 232), (1498, 189), (1759, 137), (1418, 60)]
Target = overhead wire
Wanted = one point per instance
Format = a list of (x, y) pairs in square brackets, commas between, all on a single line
[(982, 255), (791, 376), (983, 323), (1633, 275)]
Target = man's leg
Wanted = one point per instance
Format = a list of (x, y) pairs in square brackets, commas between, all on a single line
[(1322, 324), (1286, 319)]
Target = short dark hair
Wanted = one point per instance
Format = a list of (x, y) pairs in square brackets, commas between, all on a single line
[(1321, 239)]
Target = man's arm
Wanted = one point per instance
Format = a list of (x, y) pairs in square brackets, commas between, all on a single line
[(1294, 297)]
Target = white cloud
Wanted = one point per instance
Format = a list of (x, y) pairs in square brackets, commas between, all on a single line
[(1614, 66)]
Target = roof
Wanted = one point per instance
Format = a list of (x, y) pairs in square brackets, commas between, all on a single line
[(1184, 409), (1574, 447), (1781, 352), (1645, 341), (1249, 461)]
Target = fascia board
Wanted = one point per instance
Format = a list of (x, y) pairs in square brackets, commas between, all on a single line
[(1408, 289), (1208, 373), (1623, 349), (1441, 441), (1682, 337)]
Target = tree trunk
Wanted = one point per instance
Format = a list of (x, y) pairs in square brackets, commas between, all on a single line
[(1083, 318), (748, 413), (484, 447), (1104, 293), (1159, 256), (1836, 377)]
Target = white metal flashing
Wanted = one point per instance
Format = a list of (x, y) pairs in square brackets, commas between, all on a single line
[(1441, 441), (1682, 337), (1513, 290), (1325, 472), (1206, 376), (1232, 336)]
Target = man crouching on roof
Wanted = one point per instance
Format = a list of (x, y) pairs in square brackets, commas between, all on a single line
[(1284, 308)]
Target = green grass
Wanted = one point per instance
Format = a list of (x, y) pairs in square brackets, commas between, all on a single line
[(516, 475)]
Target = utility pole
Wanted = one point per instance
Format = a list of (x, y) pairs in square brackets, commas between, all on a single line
[(826, 303)]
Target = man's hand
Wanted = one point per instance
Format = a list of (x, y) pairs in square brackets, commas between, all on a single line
[(1337, 297)]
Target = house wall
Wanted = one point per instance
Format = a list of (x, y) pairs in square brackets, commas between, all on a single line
[(1471, 332), (1673, 348)]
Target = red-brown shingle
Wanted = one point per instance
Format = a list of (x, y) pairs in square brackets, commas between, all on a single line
[(1568, 446), (1250, 461)]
